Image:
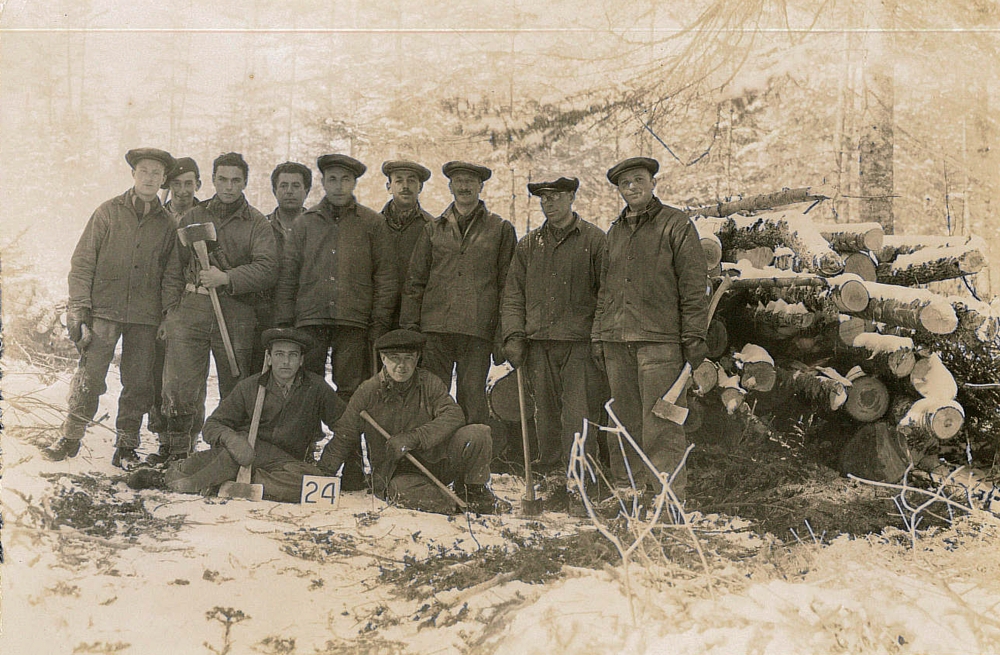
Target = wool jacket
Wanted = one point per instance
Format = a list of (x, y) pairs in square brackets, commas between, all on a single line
[(336, 269), (654, 286), (118, 267), (400, 241), (552, 285), (456, 280), (292, 422), (244, 248)]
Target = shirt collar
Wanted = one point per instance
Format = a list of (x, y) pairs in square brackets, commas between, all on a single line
[(560, 234)]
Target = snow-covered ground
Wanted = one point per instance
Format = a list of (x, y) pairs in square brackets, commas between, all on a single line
[(179, 574)]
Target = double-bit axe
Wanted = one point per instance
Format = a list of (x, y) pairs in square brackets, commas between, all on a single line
[(195, 235)]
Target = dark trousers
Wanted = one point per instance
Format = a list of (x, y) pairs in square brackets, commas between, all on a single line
[(157, 421), (639, 374), (467, 461), (470, 357), (193, 334), (349, 352), (566, 385), (280, 473), (89, 381)]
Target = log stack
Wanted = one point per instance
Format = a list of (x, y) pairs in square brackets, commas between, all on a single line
[(839, 318)]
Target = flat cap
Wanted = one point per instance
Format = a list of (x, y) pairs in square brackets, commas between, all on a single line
[(134, 156), (570, 184), (350, 163), (180, 167), (453, 167), (400, 341), (390, 166), (287, 334), (615, 171)]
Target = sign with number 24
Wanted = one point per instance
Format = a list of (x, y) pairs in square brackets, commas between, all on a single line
[(320, 490)]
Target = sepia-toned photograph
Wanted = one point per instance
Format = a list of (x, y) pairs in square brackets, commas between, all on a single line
[(377, 327)]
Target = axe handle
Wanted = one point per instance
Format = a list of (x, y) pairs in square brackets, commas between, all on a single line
[(413, 460), (202, 251), (529, 484), (243, 477)]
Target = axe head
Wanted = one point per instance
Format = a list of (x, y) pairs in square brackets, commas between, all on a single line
[(196, 232), (670, 412), (246, 491)]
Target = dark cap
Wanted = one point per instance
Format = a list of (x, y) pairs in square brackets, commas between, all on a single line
[(180, 167), (453, 167), (287, 334), (615, 171), (400, 341), (350, 163), (134, 156), (389, 167), (570, 184)]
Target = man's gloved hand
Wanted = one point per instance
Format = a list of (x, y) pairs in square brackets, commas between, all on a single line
[(597, 354), (516, 349), (375, 331), (403, 443), (327, 462), (238, 446), (499, 357), (75, 320), (695, 351)]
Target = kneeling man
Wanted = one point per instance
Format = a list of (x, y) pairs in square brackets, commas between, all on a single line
[(413, 405), (295, 402)]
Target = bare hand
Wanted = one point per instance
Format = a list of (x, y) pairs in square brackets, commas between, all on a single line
[(161, 330), (213, 278)]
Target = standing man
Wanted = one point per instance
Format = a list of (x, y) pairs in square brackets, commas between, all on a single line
[(650, 318), (183, 181), (295, 403), (116, 286), (454, 287), (404, 218), (414, 407), (337, 284), (548, 316), (243, 264), (290, 184)]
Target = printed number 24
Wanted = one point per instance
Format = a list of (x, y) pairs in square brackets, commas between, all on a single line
[(312, 487)]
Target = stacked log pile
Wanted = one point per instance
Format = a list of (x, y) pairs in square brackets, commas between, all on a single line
[(839, 319)]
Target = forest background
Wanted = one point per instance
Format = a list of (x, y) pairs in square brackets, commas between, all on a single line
[(892, 103)]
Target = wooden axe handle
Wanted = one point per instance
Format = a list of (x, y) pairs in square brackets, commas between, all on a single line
[(413, 460), (202, 251), (243, 477), (529, 485)]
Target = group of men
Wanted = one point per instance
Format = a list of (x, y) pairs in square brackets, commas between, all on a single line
[(397, 301)]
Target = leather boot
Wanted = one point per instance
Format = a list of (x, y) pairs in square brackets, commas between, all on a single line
[(125, 459), (61, 448)]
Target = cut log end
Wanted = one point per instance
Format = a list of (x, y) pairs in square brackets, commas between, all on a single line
[(901, 362), (939, 318), (712, 248), (758, 376), (861, 265), (867, 399), (852, 296), (947, 422)]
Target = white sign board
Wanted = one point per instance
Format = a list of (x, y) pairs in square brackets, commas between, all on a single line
[(320, 490)]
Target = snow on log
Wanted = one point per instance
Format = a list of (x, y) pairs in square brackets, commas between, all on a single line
[(976, 317), (766, 201), (916, 309), (936, 417), (784, 318), (931, 378), (853, 237), (830, 295), (756, 368), (731, 393), (931, 265), (786, 228), (867, 399), (862, 265), (812, 385), (894, 245), (886, 353)]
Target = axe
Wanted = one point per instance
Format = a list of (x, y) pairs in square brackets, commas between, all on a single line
[(666, 407), (195, 235), (242, 487)]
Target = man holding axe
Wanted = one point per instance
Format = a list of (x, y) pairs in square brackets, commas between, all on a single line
[(225, 254), (416, 434), (115, 286), (650, 320), (277, 447)]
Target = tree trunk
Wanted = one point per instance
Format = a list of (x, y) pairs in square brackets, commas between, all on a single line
[(916, 309), (932, 265), (867, 399), (813, 386), (875, 163), (790, 228), (853, 237), (765, 201)]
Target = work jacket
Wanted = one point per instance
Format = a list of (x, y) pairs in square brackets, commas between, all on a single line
[(552, 284), (336, 269), (401, 237), (654, 287), (292, 422), (421, 406), (243, 247), (455, 281), (280, 237), (117, 269)]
